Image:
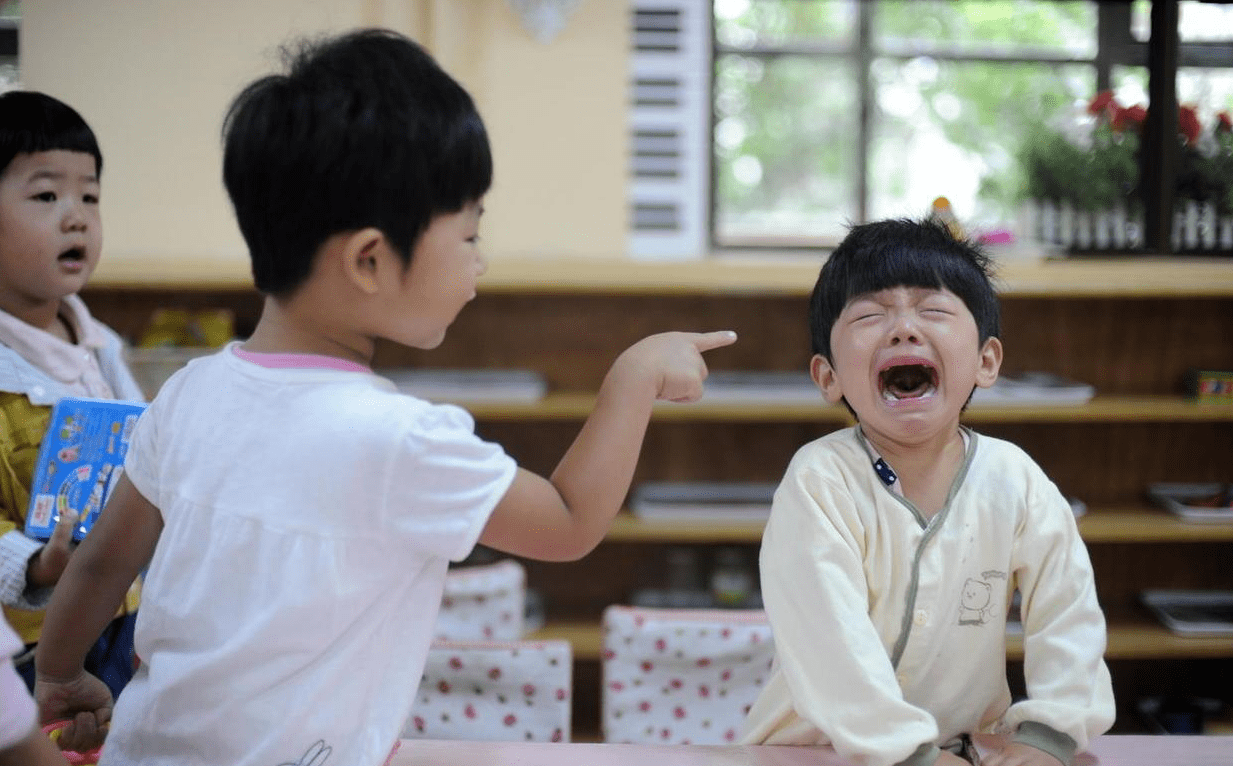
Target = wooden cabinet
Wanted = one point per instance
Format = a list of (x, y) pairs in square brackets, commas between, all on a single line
[(1131, 327)]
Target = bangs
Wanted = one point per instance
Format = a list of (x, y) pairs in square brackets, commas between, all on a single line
[(902, 253), (35, 122), (905, 267)]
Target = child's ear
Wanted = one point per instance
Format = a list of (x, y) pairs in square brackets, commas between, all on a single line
[(990, 363), (363, 256), (825, 379)]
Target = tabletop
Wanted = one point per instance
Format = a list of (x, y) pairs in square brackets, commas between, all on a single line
[(1109, 750)]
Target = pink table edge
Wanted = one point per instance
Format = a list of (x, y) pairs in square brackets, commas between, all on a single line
[(1109, 750)]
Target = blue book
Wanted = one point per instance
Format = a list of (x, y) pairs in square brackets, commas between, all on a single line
[(80, 461)]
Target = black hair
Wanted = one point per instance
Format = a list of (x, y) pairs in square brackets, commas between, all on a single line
[(902, 252), (363, 130), (35, 122)]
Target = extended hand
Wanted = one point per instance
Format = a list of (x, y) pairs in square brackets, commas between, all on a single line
[(48, 564), (674, 360), (1019, 754), (85, 701)]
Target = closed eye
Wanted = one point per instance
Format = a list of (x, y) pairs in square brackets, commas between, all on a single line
[(47, 196)]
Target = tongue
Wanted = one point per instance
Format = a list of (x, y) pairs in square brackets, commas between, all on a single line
[(908, 382)]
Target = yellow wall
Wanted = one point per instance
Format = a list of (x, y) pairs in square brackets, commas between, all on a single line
[(154, 78)]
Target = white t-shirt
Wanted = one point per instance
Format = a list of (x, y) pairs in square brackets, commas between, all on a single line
[(17, 713), (309, 517)]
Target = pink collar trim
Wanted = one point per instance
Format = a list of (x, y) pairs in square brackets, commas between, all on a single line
[(299, 361)]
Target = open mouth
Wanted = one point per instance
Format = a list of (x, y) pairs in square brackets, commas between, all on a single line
[(73, 255), (908, 381)]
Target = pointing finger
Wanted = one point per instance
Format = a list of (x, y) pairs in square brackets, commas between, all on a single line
[(708, 340)]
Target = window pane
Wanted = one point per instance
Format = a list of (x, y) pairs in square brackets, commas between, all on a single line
[(1036, 28), (955, 128), (1204, 22), (1210, 91), (785, 147), (1196, 21), (766, 23)]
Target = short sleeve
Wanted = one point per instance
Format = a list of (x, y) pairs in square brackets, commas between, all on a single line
[(139, 462), (447, 483)]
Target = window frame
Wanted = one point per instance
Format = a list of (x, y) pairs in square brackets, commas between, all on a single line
[(1162, 56)]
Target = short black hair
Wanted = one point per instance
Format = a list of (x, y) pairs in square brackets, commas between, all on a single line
[(363, 130), (36, 122), (901, 252)]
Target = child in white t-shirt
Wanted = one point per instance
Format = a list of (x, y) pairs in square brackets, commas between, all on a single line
[(297, 512)]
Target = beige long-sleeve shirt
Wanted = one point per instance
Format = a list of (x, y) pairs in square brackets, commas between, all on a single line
[(890, 629)]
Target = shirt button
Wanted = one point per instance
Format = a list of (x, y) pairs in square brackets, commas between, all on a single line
[(921, 617)]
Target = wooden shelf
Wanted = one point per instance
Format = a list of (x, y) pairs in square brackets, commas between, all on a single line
[(1112, 525), (1101, 409), (1131, 641), (736, 274)]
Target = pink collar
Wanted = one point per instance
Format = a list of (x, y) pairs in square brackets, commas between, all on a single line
[(299, 361)]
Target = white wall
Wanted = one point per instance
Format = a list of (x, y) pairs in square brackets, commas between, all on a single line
[(154, 78)]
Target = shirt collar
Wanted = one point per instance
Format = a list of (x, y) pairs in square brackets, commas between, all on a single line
[(62, 360), (883, 470)]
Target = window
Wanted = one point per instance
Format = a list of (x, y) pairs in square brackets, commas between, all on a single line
[(826, 112)]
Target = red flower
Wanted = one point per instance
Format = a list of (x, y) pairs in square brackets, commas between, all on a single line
[(647, 666), (1131, 117), (469, 711), (562, 694), (456, 663), (679, 712), (557, 735), (1102, 102), (528, 690), (644, 706), (443, 687), (1188, 124), (509, 720), (1224, 124), (494, 674)]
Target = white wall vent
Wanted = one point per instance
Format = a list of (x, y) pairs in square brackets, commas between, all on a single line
[(670, 66)]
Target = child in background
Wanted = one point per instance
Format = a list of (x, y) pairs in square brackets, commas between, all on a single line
[(893, 548), (50, 347), (300, 511), (21, 741)]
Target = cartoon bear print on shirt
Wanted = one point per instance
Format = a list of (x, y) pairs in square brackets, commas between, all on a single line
[(976, 603)]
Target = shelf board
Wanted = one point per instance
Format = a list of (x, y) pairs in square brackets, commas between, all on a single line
[(1131, 641), (1148, 525), (1098, 525), (1101, 409), (736, 274)]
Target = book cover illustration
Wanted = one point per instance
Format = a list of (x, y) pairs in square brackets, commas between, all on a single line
[(80, 461)]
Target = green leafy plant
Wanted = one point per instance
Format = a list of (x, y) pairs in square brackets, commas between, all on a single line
[(1099, 168)]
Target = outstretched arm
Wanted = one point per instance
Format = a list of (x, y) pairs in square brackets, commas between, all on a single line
[(564, 517), (89, 592)]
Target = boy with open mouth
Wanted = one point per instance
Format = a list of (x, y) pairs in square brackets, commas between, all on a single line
[(894, 547)]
